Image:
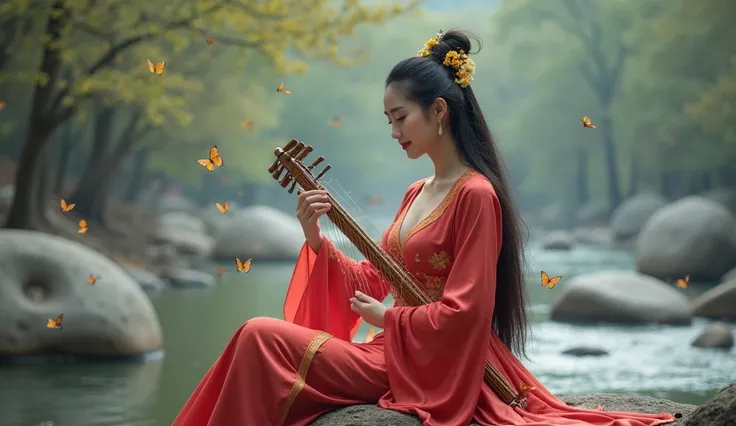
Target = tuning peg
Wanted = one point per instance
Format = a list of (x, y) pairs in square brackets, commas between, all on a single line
[(322, 173), (277, 173), (292, 143), (304, 153), (294, 152), (286, 180), (316, 163), (274, 166), (293, 185)]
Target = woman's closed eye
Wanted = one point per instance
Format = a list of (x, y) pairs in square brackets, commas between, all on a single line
[(398, 119)]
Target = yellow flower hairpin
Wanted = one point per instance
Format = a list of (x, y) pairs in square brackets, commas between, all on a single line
[(432, 42), (464, 66)]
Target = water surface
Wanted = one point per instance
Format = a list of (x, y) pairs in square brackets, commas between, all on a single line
[(655, 360)]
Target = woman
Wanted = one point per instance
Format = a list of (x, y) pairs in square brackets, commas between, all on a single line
[(458, 234)]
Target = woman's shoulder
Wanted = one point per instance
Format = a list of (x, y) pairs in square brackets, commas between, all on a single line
[(477, 187)]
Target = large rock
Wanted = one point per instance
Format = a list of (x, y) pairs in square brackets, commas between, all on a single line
[(557, 240), (717, 303), (620, 297), (259, 232), (724, 196), (42, 275), (692, 236), (371, 415), (186, 232), (628, 218), (719, 411), (717, 335)]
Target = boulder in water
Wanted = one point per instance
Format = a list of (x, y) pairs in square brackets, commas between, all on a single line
[(259, 232), (719, 411), (44, 275), (186, 232), (717, 335), (717, 303), (557, 240), (620, 297), (628, 218), (692, 236)]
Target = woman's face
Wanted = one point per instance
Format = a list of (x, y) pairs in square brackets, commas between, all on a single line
[(409, 125)]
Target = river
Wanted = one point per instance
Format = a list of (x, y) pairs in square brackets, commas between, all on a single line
[(654, 360)]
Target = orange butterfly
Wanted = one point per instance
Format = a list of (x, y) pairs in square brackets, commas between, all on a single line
[(248, 124), (55, 324), (210, 40), (370, 336), (243, 266), (214, 160), (335, 122), (682, 283), (66, 207), (586, 122), (549, 282), (281, 89), (2, 105), (92, 279), (222, 208), (221, 271), (158, 69), (83, 227)]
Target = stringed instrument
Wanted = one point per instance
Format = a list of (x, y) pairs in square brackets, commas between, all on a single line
[(290, 158)]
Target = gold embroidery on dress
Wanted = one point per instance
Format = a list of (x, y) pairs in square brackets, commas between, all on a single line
[(332, 252), (440, 261), (416, 258), (437, 212), (309, 354)]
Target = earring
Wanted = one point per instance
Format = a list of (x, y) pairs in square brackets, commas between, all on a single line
[(440, 131)]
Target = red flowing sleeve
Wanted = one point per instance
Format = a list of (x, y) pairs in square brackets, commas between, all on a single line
[(423, 342), (322, 285)]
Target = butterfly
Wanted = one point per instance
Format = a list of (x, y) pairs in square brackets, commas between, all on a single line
[(82, 227), (66, 207), (221, 271), (92, 279), (222, 208), (55, 324), (214, 160), (524, 388), (210, 40), (549, 282), (281, 89), (370, 336), (158, 68), (335, 122), (682, 282), (248, 124), (586, 122), (241, 193), (2, 105), (243, 266)]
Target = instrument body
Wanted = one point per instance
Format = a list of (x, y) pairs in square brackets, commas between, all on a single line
[(290, 159)]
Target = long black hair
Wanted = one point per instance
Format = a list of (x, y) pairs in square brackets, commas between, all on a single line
[(423, 79)]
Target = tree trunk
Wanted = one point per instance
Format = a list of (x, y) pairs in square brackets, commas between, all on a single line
[(140, 161), (67, 147), (609, 152), (92, 191), (582, 179), (633, 177), (24, 211)]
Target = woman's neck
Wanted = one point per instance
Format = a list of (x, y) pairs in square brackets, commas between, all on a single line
[(447, 163)]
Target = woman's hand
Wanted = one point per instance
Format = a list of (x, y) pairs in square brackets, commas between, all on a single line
[(369, 308), (312, 205)]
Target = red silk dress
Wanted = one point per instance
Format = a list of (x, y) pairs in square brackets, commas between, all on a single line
[(428, 361)]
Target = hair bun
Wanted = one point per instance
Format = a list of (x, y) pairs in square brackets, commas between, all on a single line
[(454, 40)]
